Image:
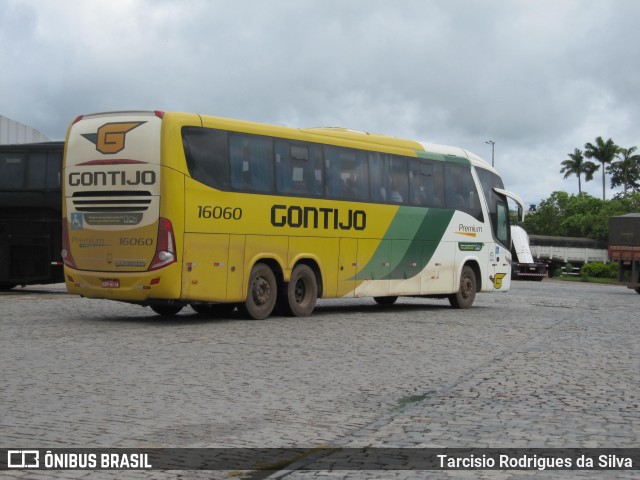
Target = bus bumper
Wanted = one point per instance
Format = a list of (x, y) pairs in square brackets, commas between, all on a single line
[(134, 287)]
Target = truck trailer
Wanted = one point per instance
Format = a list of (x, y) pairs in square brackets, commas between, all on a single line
[(624, 248), (569, 253)]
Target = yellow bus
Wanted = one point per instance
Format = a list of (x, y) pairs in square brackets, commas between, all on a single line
[(173, 209)]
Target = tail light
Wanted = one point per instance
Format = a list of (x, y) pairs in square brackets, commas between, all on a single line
[(165, 246), (67, 258)]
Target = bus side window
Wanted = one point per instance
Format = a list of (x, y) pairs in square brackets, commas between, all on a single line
[(315, 171), (426, 183), (206, 154), (347, 174), (251, 162), (399, 180), (419, 183), (379, 176), (461, 190), (283, 167), (502, 223), (298, 168), (12, 167), (299, 164)]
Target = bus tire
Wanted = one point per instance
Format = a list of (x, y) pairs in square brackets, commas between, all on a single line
[(385, 300), (166, 310), (262, 293), (302, 292), (466, 294)]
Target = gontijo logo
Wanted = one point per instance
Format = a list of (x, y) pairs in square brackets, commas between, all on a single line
[(497, 280), (110, 137)]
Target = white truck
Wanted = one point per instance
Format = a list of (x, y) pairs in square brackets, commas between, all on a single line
[(524, 267)]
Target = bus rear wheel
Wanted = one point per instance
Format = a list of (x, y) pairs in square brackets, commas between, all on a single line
[(300, 294), (466, 294), (262, 293)]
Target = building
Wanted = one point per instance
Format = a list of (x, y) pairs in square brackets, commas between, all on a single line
[(12, 132)]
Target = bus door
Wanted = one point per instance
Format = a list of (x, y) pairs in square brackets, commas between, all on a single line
[(500, 257)]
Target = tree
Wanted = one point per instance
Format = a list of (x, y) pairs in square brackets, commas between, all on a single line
[(626, 171), (581, 215), (547, 218), (577, 165), (604, 152)]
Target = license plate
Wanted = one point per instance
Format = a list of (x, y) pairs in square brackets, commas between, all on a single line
[(110, 283)]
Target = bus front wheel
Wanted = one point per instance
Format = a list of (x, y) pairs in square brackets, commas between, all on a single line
[(466, 294), (300, 293), (385, 300), (262, 293)]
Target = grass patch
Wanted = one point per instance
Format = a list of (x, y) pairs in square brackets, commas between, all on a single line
[(579, 278)]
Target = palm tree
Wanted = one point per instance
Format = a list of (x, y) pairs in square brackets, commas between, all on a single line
[(576, 165), (604, 152), (626, 171)]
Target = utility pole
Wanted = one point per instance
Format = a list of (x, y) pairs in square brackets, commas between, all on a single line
[(493, 150)]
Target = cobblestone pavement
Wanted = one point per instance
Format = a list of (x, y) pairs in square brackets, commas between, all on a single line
[(549, 364)]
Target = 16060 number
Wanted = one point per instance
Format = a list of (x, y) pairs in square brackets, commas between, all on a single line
[(225, 213)]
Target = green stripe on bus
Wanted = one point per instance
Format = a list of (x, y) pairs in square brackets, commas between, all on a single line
[(426, 240), (414, 234)]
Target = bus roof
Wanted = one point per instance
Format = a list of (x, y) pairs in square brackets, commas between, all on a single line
[(422, 149)]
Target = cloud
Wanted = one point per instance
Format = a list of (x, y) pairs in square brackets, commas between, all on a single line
[(538, 77)]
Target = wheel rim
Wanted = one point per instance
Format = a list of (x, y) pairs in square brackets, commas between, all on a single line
[(300, 291), (466, 286), (261, 291)]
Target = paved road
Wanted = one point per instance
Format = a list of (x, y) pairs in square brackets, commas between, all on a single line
[(549, 364)]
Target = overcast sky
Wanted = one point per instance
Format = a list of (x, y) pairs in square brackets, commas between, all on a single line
[(538, 77)]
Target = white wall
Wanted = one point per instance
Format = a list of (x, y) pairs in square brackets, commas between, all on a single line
[(15, 132)]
